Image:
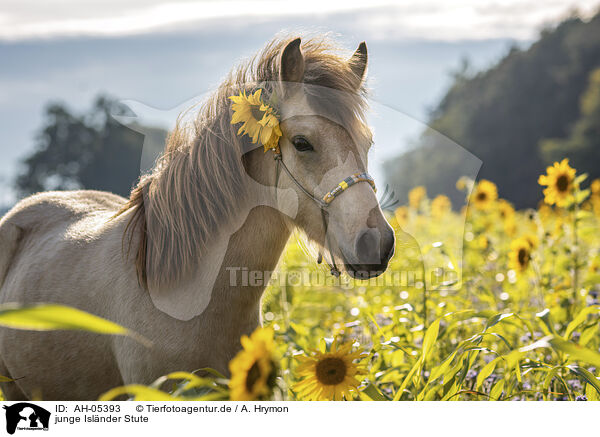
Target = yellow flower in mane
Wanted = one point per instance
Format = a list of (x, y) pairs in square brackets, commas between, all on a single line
[(329, 375), (484, 195), (560, 182), (270, 132), (259, 120), (520, 253), (253, 369)]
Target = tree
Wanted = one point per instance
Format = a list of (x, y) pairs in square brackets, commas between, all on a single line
[(504, 114), (582, 146), (89, 151)]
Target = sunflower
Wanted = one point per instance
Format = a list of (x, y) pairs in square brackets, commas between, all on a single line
[(440, 206), (520, 254), (532, 240), (545, 212), (595, 265), (505, 210), (329, 375), (484, 195), (401, 215), (560, 182), (253, 369), (462, 183), (259, 120), (416, 196), (270, 132), (595, 197), (595, 186)]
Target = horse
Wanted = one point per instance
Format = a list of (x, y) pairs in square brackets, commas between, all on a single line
[(160, 262)]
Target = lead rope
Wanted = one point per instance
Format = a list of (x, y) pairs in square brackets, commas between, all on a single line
[(322, 205)]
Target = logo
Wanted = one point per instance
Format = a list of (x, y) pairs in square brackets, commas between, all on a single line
[(26, 416)]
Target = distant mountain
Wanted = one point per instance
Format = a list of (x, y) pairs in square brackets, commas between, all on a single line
[(516, 117)]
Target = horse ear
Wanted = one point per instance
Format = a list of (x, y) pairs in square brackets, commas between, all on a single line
[(292, 63), (358, 62)]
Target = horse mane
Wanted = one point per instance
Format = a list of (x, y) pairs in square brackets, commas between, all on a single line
[(197, 183)]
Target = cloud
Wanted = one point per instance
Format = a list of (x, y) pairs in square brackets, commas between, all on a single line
[(384, 19)]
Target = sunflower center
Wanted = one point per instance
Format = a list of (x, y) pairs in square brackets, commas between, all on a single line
[(256, 112), (481, 196), (331, 371), (562, 183), (253, 375), (523, 256)]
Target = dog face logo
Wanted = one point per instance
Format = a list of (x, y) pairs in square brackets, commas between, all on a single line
[(26, 416)]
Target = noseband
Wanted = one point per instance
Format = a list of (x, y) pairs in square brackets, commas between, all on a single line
[(325, 201)]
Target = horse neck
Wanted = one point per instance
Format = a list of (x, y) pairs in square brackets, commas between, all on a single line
[(252, 254), (256, 246)]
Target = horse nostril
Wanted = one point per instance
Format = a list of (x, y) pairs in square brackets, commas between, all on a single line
[(387, 246), (367, 247)]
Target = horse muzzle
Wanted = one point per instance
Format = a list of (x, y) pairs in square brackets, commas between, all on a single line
[(373, 249)]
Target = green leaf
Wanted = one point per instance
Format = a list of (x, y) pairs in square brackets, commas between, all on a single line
[(587, 376), (496, 391), (373, 392), (211, 371), (407, 379), (486, 371), (50, 317), (438, 371), (579, 319), (452, 391), (588, 334), (139, 393), (580, 196), (299, 329), (495, 320), (430, 338), (549, 377), (579, 179), (591, 393), (548, 324), (575, 351)]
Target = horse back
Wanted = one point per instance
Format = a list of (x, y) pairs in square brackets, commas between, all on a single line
[(57, 228)]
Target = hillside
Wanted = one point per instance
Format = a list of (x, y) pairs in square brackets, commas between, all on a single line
[(533, 106)]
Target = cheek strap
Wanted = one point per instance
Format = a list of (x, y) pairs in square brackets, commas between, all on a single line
[(347, 183)]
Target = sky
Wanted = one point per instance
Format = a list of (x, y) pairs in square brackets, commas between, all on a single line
[(165, 53), (428, 19)]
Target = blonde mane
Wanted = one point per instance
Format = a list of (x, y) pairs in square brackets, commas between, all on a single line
[(197, 184)]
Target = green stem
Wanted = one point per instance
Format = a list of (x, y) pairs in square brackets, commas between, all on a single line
[(575, 254)]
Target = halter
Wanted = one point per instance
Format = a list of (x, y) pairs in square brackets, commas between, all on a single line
[(325, 201)]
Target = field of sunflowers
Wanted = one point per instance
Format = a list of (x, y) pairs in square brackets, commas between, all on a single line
[(522, 324), (516, 319), (483, 303)]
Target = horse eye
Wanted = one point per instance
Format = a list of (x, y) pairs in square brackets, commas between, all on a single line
[(301, 144)]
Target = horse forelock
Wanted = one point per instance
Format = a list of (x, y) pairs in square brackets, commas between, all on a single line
[(198, 183)]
